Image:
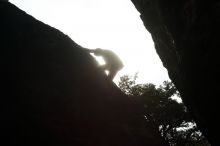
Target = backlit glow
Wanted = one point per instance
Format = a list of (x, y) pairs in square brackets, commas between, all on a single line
[(107, 24)]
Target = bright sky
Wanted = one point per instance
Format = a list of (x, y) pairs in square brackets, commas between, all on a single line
[(107, 24)]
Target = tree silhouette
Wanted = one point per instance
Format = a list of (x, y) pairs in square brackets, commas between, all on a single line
[(164, 115)]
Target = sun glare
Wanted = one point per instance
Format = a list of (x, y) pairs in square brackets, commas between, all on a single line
[(107, 24)]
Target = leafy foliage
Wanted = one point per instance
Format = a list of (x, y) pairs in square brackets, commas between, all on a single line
[(162, 112)]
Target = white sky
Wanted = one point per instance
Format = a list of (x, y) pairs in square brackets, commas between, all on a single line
[(107, 24)]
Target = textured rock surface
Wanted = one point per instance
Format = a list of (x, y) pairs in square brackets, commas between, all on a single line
[(52, 92), (186, 37)]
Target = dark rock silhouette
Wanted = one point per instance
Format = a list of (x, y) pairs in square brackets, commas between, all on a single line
[(53, 93), (186, 37)]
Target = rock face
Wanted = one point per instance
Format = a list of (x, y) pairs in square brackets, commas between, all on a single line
[(186, 37), (53, 93)]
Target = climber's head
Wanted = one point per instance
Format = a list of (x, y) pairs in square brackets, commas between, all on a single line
[(98, 52)]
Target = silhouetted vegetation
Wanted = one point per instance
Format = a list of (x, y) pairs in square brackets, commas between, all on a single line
[(164, 114)]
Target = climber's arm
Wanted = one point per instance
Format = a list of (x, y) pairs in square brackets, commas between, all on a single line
[(89, 50)]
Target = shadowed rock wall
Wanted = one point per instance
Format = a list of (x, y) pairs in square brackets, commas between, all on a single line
[(53, 93), (186, 37)]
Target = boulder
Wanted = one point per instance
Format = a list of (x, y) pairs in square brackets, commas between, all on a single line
[(186, 38), (53, 93)]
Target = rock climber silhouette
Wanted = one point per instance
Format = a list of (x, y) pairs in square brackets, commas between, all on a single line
[(112, 62)]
